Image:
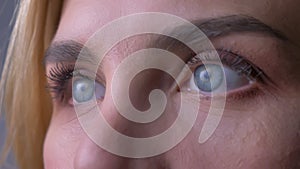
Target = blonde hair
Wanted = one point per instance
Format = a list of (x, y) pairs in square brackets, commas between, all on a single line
[(23, 94)]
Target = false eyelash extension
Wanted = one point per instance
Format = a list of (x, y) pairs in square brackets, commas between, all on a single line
[(58, 76)]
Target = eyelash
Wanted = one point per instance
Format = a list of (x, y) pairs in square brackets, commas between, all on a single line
[(234, 61), (243, 66), (58, 77), (61, 73)]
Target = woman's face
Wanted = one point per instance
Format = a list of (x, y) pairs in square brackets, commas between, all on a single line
[(260, 126)]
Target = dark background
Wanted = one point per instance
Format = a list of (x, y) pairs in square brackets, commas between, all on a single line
[(7, 8)]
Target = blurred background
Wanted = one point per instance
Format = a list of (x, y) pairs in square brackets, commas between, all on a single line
[(7, 8)]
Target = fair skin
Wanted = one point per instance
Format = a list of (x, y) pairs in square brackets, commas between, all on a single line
[(258, 130)]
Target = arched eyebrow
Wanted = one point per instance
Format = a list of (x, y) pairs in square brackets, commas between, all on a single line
[(68, 51), (223, 26)]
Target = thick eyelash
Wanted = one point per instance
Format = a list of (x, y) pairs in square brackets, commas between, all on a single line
[(58, 77), (242, 66)]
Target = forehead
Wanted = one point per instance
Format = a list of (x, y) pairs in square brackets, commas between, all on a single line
[(80, 19)]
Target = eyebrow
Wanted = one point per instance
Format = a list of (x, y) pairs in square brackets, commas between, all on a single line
[(216, 27), (68, 51)]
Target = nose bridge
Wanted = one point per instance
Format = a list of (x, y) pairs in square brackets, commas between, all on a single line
[(139, 90), (138, 94), (136, 88)]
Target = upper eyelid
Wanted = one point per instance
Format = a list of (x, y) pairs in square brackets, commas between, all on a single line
[(70, 52), (204, 56), (92, 76)]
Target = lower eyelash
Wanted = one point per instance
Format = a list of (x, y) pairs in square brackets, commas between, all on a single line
[(251, 92)]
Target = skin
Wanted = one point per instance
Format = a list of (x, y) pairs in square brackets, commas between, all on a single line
[(260, 130)]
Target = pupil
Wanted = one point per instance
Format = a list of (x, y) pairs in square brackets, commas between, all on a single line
[(83, 90), (204, 75), (83, 87)]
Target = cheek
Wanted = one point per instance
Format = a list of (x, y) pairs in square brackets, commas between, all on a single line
[(265, 137), (61, 144), (258, 139)]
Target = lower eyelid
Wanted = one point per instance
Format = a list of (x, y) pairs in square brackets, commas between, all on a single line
[(250, 91), (246, 92)]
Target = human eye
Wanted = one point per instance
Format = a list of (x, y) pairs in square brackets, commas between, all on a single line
[(209, 75), (83, 89)]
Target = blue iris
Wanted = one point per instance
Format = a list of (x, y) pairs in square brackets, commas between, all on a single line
[(83, 90), (208, 77)]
